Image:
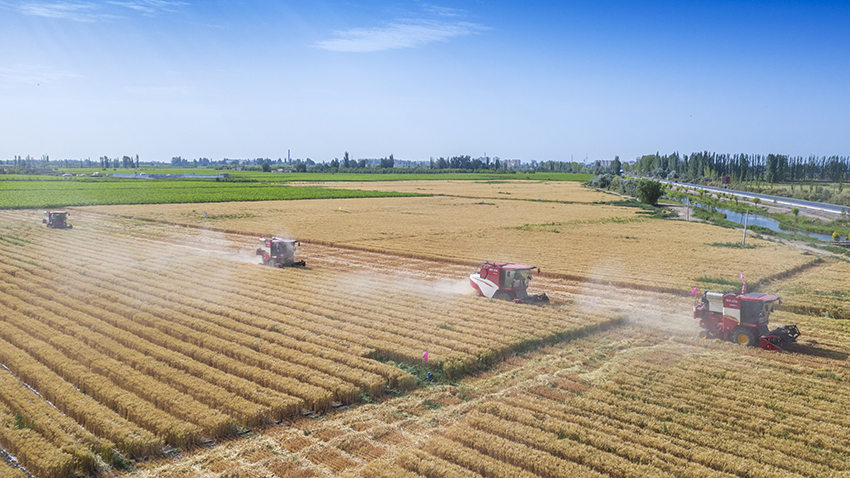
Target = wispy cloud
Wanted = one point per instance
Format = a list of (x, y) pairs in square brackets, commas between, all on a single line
[(407, 34), (33, 75), (423, 24), (81, 12), (150, 7), (94, 11), (443, 11)]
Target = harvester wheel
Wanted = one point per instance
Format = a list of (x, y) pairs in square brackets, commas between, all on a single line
[(703, 334), (744, 336), (504, 296)]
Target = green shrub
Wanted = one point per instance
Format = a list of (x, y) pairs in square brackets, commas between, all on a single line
[(649, 191)]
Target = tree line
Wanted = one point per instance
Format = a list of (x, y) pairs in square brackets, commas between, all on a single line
[(770, 168)]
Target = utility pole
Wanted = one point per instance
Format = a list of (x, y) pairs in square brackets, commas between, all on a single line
[(746, 218)]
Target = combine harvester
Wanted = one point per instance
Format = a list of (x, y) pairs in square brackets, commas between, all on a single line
[(742, 318), (56, 219), (281, 252), (505, 282)]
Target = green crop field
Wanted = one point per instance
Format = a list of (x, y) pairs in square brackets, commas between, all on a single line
[(22, 191), (59, 194)]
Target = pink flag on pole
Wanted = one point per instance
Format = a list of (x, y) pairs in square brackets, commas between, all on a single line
[(425, 356), (694, 291), (742, 275)]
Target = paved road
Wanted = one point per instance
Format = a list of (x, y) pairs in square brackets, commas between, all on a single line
[(817, 206)]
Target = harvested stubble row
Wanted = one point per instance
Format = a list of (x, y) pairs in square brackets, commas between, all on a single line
[(219, 353), (336, 363), (227, 328), (784, 446), (795, 396), (428, 335), (668, 408), (429, 320), (422, 463), (57, 428), (428, 329), (212, 422), (474, 460), (92, 334), (673, 411), (118, 301), (93, 416), (384, 469), (36, 452), (143, 336), (7, 471), (719, 451), (513, 451), (589, 441), (142, 339), (105, 391), (342, 312)]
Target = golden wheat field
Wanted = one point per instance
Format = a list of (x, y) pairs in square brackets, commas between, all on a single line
[(132, 345), (174, 348), (821, 290), (593, 241), (630, 401), (568, 191)]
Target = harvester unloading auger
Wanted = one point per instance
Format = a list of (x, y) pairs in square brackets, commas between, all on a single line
[(743, 318), (505, 282), (281, 252)]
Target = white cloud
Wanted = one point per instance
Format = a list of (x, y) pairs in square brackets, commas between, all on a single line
[(408, 34)]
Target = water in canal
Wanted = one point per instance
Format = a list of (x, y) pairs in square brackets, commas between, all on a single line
[(766, 222)]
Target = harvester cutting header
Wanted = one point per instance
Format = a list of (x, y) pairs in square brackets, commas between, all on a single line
[(280, 253), (505, 282), (742, 318)]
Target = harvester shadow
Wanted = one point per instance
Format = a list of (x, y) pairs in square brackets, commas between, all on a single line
[(813, 351)]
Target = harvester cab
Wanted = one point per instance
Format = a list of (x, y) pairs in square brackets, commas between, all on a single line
[(743, 319), (505, 282), (280, 253), (56, 219)]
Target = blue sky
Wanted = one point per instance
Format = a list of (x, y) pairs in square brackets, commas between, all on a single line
[(546, 80)]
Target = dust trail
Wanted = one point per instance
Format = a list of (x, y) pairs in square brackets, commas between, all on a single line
[(671, 314)]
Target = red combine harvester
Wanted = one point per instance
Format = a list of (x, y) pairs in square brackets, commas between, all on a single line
[(742, 318), (281, 252), (56, 219), (505, 282)]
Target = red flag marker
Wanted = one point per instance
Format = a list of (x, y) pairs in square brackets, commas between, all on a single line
[(694, 291), (425, 356)]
